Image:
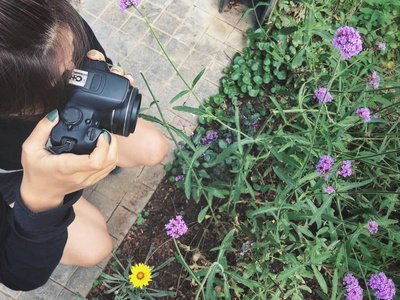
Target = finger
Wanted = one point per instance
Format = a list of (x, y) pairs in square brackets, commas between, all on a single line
[(117, 70), (93, 162), (39, 136), (96, 55), (130, 78)]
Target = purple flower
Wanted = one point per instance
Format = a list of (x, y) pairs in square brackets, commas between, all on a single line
[(346, 169), (320, 95), (228, 140), (255, 124), (329, 190), (245, 248), (209, 139), (383, 286), (353, 289), (381, 46), (176, 227), (374, 80), (348, 41), (124, 4), (325, 166), (364, 113), (180, 177), (372, 227), (279, 42)]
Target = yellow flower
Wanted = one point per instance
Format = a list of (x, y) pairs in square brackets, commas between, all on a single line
[(390, 65), (141, 275)]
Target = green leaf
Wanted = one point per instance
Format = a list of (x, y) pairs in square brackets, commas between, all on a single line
[(198, 77), (188, 183), (298, 58), (335, 283), (277, 105), (320, 279), (317, 216), (352, 185), (192, 110), (288, 30), (288, 272), (178, 96), (202, 214)]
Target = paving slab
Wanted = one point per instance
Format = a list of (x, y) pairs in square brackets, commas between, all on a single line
[(197, 37)]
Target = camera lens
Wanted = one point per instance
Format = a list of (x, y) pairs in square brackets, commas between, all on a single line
[(123, 119)]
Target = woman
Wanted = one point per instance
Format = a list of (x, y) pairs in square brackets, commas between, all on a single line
[(44, 219)]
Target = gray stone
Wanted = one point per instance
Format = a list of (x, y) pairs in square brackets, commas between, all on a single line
[(115, 186), (237, 39), (219, 29), (167, 22), (50, 290), (137, 198), (151, 176), (9, 292), (67, 295), (63, 273), (113, 16), (4, 296), (120, 223), (189, 34), (177, 51), (82, 280), (199, 18), (135, 27), (180, 8), (208, 45), (162, 68), (96, 7), (151, 41)]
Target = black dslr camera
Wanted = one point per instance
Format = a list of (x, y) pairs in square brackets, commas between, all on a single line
[(99, 100)]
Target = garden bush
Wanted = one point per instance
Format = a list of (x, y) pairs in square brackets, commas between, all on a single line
[(300, 152)]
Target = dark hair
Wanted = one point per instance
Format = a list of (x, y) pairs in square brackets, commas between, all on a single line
[(32, 47)]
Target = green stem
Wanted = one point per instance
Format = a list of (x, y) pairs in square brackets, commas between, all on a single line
[(183, 80), (190, 271)]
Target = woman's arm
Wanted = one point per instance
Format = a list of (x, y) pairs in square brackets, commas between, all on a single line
[(33, 233)]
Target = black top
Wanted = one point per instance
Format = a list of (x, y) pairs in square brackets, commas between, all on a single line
[(31, 244)]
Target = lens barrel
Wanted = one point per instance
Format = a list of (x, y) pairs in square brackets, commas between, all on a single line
[(123, 119)]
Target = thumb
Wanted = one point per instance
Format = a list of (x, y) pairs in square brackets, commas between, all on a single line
[(41, 133)]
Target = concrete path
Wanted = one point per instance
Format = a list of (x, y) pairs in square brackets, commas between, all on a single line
[(196, 36)]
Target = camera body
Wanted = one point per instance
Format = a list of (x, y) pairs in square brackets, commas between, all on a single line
[(99, 100)]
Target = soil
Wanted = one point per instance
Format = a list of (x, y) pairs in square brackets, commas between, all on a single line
[(167, 202)]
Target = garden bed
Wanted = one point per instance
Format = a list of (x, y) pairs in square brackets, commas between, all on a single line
[(290, 183)]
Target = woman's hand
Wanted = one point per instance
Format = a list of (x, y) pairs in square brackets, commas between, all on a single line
[(97, 55), (48, 178)]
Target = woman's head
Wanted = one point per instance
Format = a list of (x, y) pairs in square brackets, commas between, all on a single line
[(40, 41)]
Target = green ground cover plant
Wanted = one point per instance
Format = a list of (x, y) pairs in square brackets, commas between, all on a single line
[(300, 152)]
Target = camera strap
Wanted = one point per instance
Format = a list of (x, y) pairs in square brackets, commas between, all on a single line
[(64, 148)]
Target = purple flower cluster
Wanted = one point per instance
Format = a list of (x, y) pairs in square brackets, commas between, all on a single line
[(184, 123), (346, 169), (324, 166), (320, 95), (364, 113), (372, 227), (381, 46), (353, 289), (210, 138), (255, 124), (180, 177), (329, 190), (374, 80), (228, 140), (245, 248), (383, 286), (176, 227), (124, 4), (348, 41)]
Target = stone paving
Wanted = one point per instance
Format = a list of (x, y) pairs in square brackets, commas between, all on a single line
[(196, 36)]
